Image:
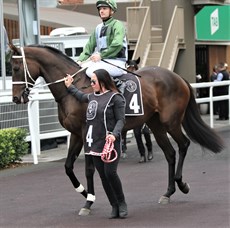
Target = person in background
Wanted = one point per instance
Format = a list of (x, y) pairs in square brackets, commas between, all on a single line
[(214, 73), (213, 77), (226, 66), (222, 90), (105, 118), (138, 131), (107, 42)]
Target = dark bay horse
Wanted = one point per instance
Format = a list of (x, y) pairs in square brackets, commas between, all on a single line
[(168, 100)]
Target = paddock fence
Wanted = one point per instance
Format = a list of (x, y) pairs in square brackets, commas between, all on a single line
[(40, 116)]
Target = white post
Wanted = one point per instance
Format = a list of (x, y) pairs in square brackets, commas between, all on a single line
[(33, 115), (211, 106)]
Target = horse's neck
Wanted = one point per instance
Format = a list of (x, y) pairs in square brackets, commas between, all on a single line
[(58, 88), (55, 79)]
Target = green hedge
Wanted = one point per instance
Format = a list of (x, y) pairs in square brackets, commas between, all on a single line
[(12, 145)]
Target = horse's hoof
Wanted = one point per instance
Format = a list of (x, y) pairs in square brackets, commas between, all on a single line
[(164, 200), (84, 212), (185, 188)]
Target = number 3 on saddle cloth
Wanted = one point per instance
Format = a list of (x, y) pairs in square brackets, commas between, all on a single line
[(133, 95)]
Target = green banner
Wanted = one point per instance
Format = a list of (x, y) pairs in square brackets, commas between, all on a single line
[(212, 23)]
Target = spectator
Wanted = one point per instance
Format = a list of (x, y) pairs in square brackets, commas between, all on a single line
[(222, 90), (213, 77)]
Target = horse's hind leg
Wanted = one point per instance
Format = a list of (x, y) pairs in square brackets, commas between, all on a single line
[(163, 141), (183, 143)]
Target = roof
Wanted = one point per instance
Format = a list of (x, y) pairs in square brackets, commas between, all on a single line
[(55, 17)]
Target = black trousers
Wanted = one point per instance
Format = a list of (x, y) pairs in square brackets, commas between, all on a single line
[(223, 109), (138, 136), (222, 105), (110, 179)]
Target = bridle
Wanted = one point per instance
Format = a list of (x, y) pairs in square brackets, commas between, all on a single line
[(26, 70), (28, 75)]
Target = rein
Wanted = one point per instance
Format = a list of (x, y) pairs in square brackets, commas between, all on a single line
[(106, 152), (131, 72), (26, 72)]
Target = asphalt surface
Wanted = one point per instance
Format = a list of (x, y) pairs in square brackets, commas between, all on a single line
[(42, 196)]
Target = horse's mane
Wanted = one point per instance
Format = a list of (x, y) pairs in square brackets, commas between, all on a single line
[(55, 51)]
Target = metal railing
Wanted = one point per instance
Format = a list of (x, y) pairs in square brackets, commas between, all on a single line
[(212, 98), (33, 117)]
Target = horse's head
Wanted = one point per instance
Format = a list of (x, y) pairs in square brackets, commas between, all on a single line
[(132, 65), (24, 74)]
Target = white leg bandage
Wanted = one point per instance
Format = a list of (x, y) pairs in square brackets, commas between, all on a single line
[(91, 197), (80, 188)]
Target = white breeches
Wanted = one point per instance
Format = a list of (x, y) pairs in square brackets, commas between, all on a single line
[(112, 70)]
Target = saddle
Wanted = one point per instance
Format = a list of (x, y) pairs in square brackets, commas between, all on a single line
[(130, 87)]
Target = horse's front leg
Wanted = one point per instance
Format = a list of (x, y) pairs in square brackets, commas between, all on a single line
[(74, 151), (89, 172)]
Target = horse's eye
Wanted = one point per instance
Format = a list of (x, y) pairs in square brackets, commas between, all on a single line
[(16, 68), (16, 63)]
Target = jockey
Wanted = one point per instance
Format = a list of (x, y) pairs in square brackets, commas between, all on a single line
[(107, 42)]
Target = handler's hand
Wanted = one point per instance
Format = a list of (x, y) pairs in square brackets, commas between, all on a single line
[(111, 137), (68, 80)]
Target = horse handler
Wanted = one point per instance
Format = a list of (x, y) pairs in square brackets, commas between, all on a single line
[(105, 118)]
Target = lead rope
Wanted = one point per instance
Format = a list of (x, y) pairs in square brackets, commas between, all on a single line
[(106, 152)]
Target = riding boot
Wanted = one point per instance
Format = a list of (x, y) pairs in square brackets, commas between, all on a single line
[(142, 159), (150, 155), (115, 212), (121, 85), (123, 210)]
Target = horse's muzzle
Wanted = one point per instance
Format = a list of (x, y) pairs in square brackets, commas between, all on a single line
[(23, 99), (16, 100)]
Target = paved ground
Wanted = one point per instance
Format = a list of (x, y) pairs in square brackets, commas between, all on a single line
[(41, 195)]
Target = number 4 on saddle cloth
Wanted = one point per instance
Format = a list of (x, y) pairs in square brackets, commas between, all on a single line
[(133, 95)]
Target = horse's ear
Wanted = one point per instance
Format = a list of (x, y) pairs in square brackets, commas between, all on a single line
[(138, 60), (14, 49)]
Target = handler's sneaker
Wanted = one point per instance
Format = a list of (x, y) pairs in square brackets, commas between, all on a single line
[(123, 211), (150, 155), (115, 212)]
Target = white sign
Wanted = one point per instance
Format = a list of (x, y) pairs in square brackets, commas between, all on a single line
[(214, 21)]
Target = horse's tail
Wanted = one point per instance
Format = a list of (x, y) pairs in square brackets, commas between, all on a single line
[(197, 130)]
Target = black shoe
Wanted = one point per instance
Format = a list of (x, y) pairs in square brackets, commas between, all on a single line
[(142, 159), (222, 118), (123, 211), (115, 212), (150, 155)]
